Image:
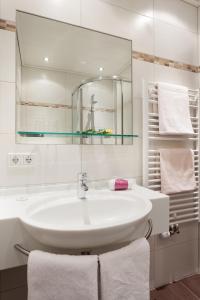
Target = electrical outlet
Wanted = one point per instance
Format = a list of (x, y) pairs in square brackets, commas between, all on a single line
[(21, 159), (15, 159), (28, 159)]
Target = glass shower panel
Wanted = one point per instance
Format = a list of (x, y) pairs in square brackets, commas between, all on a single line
[(102, 105), (98, 106)]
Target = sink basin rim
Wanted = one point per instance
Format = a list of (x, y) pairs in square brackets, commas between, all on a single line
[(27, 220)]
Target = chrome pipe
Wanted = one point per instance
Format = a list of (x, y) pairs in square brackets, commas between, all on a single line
[(150, 229), (21, 249)]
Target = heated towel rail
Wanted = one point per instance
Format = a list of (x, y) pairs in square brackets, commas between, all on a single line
[(184, 207)]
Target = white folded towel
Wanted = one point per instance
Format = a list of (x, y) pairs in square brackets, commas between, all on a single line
[(125, 272), (177, 170), (173, 109), (62, 277)]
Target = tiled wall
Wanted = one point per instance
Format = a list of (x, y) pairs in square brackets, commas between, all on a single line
[(167, 29), (55, 88)]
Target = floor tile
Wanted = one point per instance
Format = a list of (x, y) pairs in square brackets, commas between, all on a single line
[(13, 278), (174, 291), (193, 283), (15, 294)]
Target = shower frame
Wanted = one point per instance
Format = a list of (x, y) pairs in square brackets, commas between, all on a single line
[(79, 88)]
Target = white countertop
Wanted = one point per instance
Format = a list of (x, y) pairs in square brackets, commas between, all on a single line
[(14, 200)]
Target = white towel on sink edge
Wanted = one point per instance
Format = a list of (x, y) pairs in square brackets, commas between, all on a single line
[(62, 277)]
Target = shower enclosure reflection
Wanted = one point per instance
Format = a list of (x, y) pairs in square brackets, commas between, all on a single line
[(73, 85), (102, 105)]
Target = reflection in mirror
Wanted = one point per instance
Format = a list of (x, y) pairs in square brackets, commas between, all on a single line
[(74, 85)]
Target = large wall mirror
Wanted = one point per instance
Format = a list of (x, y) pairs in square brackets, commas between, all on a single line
[(74, 85)]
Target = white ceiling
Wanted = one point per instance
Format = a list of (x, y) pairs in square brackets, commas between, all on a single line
[(193, 2), (70, 48)]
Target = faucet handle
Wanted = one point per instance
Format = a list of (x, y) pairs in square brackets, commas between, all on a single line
[(82, 185)]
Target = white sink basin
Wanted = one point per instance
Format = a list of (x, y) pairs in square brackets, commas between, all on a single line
[(102, 219)]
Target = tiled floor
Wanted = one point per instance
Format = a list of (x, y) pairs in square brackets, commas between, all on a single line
[(186, 289), (13, 286)]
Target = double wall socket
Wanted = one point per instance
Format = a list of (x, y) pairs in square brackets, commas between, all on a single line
[(21, 159)]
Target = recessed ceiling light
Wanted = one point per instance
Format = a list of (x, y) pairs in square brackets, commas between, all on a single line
[(114, 76), (100, 69), (83, 62), (46, 59)]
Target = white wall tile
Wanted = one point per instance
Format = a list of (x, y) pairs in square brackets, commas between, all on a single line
[(61, 163), (144, 7), (7, 56), (177, 13), (53, 163), (143, 72), (63, 10), (34, 118), (175, 43), (175, 263), (23, 175), (114, 20), (40, 85), (104, 162), (7, 107), (176, 76)]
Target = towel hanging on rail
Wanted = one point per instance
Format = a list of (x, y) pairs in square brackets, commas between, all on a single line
[(177, 170), (173, 109), (184, 206), (52, 276), (125, 272)]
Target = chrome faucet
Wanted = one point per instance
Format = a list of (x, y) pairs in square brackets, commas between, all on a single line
[(82, 185)]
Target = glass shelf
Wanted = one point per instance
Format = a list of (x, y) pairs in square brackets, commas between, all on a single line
[(73, 134)]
